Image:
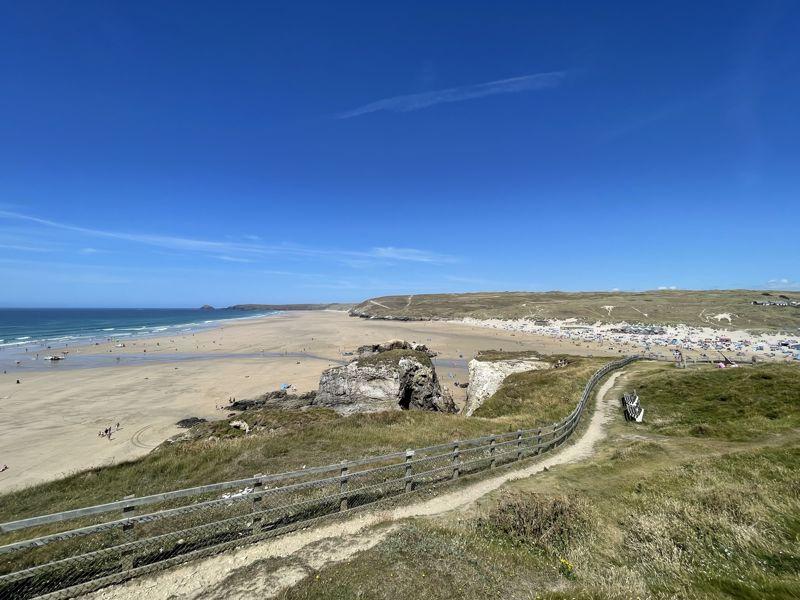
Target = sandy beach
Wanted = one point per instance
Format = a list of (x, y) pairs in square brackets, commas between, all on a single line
[(52, 417)]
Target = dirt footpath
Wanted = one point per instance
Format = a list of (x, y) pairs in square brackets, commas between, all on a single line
[(247, 573)]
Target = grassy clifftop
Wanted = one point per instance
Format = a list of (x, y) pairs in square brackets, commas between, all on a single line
[(392, 358), (665, 307), (684, 515), (284, 440)]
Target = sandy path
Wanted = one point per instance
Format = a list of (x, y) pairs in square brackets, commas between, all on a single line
[(49, 422), (245, 572)]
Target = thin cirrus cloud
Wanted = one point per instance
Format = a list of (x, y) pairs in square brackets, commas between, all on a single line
[(409, 102), (241, 252), (410, 254), (783, 283)]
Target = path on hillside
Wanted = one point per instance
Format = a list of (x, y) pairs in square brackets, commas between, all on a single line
[(246, 572)]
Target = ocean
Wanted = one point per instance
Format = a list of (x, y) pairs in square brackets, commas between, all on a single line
[(38, 328)]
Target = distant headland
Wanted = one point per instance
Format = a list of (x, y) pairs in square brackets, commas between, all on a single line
[(259, 307)]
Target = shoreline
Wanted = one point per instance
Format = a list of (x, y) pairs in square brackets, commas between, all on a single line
[(53, 416), (23, 348)]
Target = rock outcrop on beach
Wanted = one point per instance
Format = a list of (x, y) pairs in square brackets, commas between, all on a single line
[(486, 377), (279, 399), (372, 349), (393, 376), (190, 422)]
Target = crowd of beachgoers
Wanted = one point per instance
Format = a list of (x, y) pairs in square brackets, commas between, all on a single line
[(702, 342)]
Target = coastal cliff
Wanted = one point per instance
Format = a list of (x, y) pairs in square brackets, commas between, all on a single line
[(393, 376), (486, 377)]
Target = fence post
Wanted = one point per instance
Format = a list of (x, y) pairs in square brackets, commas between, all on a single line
[(491, 453), (409, 474), (258, 488), (343, 485), (539, 441), (128, 535), (519, 444), (456, 454)]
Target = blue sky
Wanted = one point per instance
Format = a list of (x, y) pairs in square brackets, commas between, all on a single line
[(175, 154)]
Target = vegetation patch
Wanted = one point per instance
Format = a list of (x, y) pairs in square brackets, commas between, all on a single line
[(551, 523), (709, 528), (656, 307), (732, 404), (695, 517), (546, 394), (391, 358), (498, 355)]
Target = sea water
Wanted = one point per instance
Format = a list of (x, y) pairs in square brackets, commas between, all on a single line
[(37, 329)]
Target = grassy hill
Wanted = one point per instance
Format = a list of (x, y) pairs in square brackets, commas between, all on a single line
[(666, 510), (662, 307)]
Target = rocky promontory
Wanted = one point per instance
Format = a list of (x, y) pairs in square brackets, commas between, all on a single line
[(397, 375)]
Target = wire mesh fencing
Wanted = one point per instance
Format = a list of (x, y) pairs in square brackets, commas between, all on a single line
[(65, 554)]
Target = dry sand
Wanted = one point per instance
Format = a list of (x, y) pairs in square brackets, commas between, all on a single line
[(50, 420)]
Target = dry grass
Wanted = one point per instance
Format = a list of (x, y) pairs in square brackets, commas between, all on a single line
[(653, 307), (496, 355), (676, 517), (701, 529), (549, 394), (282, 440), (392, 358)]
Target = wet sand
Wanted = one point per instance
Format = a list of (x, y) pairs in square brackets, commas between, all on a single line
[(50, 420)]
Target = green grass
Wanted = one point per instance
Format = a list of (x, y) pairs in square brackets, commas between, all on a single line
[(280, 441), (721, 527), (662, 307), (497, 355), (548, 393), (651, 517), (732, 404), (392, 358)]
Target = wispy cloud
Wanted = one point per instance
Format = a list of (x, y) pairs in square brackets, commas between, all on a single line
[(783, 283), (409, 102), (23, 248), (667, 287), (242, 252), (411, 254), (236, 259)]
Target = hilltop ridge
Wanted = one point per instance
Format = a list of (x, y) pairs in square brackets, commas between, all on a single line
[(737, 309)]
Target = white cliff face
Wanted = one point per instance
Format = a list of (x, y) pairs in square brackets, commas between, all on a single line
[(486, 377)]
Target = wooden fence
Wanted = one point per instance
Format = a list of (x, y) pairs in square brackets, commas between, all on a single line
[(72, 552)]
